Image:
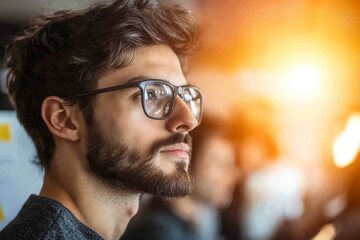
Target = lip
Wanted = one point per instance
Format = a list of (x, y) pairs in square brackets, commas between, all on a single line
[(179, 150), (176, 147)]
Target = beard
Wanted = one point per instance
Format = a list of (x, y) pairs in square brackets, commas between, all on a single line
[(120, 166)]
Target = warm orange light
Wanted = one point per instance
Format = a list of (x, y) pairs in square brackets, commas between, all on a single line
[(328, 231), (347, 144), (305, 68), (304, 80)]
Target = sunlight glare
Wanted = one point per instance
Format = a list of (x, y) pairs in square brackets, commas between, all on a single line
[(304, 80), (347, 144)]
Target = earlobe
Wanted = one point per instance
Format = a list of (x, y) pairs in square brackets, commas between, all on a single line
[(60, 118)]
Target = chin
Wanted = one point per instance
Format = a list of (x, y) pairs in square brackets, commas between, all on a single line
[(183, 165)]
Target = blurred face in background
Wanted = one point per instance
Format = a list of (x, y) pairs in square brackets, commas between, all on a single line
[(214, 172)]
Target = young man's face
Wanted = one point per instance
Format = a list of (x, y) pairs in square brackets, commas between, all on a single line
[(128, 150)]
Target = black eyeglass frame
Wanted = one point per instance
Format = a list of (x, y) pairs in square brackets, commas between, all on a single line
[(176, 90)]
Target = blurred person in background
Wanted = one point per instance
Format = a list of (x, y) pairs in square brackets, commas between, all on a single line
[(333, 213), (335, 217), (102, 94), (214, 172), (341, 213), (257, 149), (347, 222)]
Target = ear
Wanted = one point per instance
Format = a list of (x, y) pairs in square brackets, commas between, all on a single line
[(60, 118)]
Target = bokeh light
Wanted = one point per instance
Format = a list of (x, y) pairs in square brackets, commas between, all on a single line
[(304, 80), (347, 144)]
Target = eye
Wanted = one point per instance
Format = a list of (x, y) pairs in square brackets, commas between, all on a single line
[(151, 95)]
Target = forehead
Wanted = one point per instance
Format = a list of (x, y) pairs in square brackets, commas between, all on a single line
[(154, 62)]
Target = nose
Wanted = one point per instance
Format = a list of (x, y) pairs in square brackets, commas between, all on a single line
[(181, 120)]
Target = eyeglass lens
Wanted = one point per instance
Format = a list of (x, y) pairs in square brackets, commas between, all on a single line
[(159, 100), (191, 97)]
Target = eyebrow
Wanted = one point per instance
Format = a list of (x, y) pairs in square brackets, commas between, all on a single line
[(137, 79), (144, 77)]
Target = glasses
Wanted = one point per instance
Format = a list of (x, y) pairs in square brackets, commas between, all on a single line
[(158, 97)]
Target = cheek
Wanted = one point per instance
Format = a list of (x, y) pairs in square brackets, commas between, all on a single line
[(135, 129), (120, 120), (126, 123)]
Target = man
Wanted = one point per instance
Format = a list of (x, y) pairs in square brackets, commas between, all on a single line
[(215, 174), (103, 96)]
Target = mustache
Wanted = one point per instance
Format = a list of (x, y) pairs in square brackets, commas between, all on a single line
[(174, 139)]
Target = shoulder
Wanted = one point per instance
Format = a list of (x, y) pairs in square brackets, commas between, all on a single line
[(43, 218), (33, 221)]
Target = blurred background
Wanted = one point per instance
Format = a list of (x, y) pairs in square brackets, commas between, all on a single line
[(284, 76)]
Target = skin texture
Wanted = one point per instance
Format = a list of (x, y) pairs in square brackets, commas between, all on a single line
[(119, 119)]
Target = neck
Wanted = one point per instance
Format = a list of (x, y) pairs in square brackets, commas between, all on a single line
[(85, 197)]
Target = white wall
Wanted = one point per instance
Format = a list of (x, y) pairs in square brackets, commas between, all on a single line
[(19, 177)]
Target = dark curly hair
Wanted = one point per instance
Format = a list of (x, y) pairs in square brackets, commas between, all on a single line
[(66, 52)]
